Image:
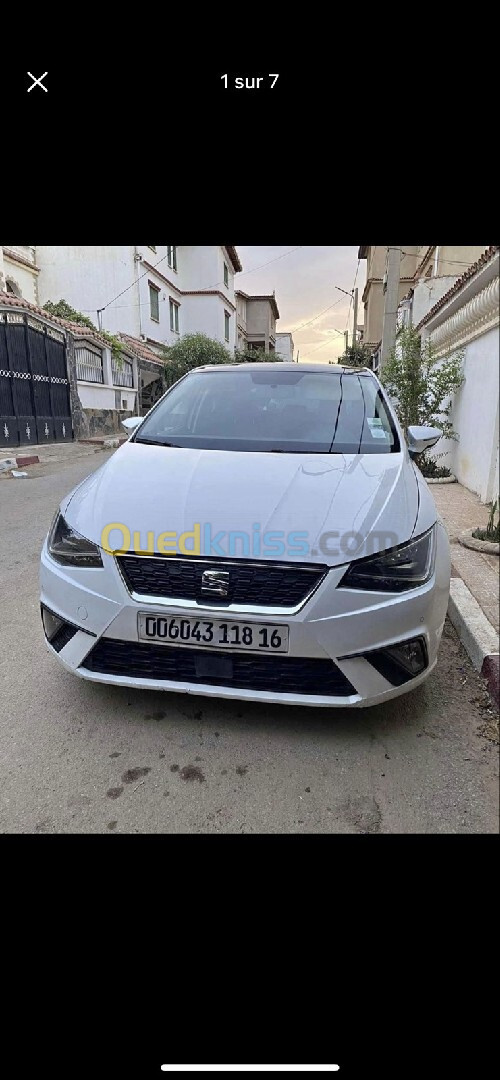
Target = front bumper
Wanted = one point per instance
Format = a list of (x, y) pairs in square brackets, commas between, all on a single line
[(97, 605)]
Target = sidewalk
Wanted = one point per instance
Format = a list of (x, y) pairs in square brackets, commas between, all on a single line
[(474, 593), (48, 453), (460, 509)]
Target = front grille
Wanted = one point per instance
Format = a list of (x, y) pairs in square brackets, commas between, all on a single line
[(264, 584), (280, 674)]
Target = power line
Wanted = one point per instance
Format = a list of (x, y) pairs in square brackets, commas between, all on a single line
[(454, 262), (133, 283), (278, 257), (327, 342), (205, 288), (295, 329)]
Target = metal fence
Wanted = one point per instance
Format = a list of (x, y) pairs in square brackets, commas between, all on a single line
[(122, 373), (89, 364)]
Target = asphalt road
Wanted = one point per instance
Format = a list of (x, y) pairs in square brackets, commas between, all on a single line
[(77, 757)]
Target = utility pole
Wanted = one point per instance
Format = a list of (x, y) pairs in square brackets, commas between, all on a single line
[(99, 317), (346, 341), (391, 303), (355, 326)]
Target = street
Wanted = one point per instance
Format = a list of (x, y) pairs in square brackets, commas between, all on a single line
[(77, 757)]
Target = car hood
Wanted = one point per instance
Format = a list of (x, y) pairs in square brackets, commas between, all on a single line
[(156, 489)]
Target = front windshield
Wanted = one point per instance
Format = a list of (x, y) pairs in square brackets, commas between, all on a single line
[(273, 411)]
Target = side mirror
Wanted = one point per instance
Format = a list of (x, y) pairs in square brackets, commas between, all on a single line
[(132, 423), (421, 437)]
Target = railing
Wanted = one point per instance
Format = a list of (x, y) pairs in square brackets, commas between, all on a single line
[(89, 365), (122, 374)]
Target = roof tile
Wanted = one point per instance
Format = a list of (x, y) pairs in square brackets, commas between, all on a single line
[(485, 258)]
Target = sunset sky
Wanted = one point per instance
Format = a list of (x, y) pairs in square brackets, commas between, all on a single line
[(304, 281)]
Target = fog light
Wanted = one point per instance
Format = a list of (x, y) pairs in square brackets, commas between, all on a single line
[(51, 623), (400, 663), (57, 631), (411, 655)]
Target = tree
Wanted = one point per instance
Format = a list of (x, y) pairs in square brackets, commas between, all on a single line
[(255, 356), (355, 356), (192, 351), (197, 350), (63, 310), (422, 386)]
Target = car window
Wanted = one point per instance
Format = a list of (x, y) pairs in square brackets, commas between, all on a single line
[(251, 409)]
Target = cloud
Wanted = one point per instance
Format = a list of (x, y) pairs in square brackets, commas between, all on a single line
[(304, 282)]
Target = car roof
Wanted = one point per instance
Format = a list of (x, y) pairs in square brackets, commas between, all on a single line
[(323, 369)]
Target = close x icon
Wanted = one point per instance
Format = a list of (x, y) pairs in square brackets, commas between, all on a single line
[(37, 81)]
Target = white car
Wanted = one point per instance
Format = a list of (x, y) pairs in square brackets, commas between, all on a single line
[(263, 535)]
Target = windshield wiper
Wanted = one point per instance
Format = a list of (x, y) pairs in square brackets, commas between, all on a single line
[(158, 442)]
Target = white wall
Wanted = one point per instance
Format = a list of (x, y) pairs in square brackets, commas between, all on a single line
[(158, 332), (203, 268), (468, 323), (427, 293), (88, 277), (95, 396), (22, 277), (284, 346), (474, 459), (205, 315)]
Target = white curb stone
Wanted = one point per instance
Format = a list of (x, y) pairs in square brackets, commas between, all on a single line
[(474, 630)]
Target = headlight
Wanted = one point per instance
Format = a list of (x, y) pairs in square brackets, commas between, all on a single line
[(69, 548), (402, 568)]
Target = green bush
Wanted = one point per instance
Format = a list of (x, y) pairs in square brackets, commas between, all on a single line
[(64, 311), (422, 384), (255, 356), (429, 468), (492, 530), (197, 350), (192, 351), (356, 356)]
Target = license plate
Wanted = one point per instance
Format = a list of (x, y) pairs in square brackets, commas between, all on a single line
[(213, 633)]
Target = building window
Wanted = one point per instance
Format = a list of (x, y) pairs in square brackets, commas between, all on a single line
[(154, 302), (174, 316), (14, 290), (89, 364), (122, 372), (172, 257), (226, 275), (226, 325)]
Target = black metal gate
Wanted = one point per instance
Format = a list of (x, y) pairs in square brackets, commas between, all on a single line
[(34, 389)]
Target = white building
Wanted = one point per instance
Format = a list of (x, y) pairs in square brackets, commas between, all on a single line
[(256, 321), (467, 318), (19, 272), (155, 294), (285, 347)]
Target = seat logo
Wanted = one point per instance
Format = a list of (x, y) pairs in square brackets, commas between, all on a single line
[(215, 582)]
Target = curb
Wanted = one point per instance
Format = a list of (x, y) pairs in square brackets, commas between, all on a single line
[(476, 633), (487, 547), (101, 440), (22, 461)]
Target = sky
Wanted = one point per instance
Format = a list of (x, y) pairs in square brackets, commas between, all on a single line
[(304, 281)]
